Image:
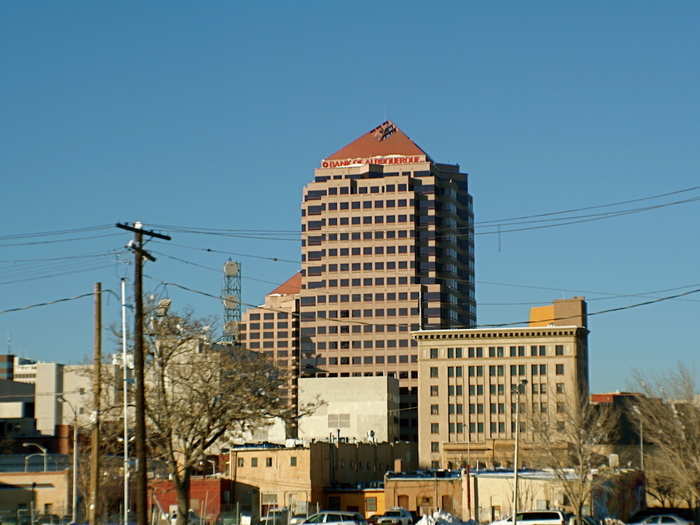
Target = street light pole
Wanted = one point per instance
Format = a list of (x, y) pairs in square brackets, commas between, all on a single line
[(43, 452), (516, 390), (125, 386)]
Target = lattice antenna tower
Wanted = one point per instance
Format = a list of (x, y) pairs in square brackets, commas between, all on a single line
[(232, 301)]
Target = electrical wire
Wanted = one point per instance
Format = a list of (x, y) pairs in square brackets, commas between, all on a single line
[(58, 274), (68, 257), (37, 243), (489, 224), (573, 210), (491, 325), (55, 232), (236, 254), (210, 268), (48, 303), (599, 312)]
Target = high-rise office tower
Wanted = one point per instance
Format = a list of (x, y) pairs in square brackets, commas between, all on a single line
[(387, 247)]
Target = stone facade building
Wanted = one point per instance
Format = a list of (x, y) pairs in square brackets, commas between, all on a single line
[(473, 382)]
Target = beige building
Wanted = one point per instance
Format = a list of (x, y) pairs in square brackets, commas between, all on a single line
[(358, 408), (539, 490), (473, 382), (424, 492), (387, 248), (43, 492), (266, 477)]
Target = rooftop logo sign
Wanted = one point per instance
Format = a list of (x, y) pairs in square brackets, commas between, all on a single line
[(393, 159)]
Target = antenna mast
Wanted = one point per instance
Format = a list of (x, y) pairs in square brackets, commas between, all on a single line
[(232, 301)]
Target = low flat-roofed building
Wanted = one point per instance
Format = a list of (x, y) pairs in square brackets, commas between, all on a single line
[(620, 496), (357, 408), (426, 491), (48, 492), (268, 476)]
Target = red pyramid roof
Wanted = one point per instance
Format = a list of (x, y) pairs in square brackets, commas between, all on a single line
[(385, 139), (290, 286)]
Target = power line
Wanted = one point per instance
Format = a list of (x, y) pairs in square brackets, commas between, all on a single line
[(263, 234), (493, 325), (210, 268), (599, 312), (68, 257), (55, 232), (212, 250), (573, 210), (47, 303), (58, 274), (35, 243)]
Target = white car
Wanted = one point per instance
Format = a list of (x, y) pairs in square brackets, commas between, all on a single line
[(336, 517), (395, 516), (663, 519), (537, 517)]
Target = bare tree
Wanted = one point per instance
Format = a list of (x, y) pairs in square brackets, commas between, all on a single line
[(569, 442), (198, 393), (670, 415)]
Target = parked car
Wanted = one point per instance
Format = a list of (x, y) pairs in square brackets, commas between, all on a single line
[(336, 517), (298, 519), (275, 517), (537, 517), (372, 520), (662, 519), (395, 516)]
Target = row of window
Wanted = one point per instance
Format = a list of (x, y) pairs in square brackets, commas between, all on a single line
[(494, 351), (283, 325), (369, 204), (345, 190), (378, 344), (369, 360), (357, 313), (496, 370), (404, 374), (268, 316), (356, 298), (367, 281), (495, 389), (494, 408), (500, 389), (378, 235), (496, 427), (356, 251), (255, 345), (356, 267), (268, 462), (357, 328), (370, 219)]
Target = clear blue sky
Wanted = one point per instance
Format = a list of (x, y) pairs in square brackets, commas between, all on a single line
[(215, 115)]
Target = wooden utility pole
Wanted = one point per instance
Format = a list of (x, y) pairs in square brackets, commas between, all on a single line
[(140, 401), (94, 511), (139, 364)]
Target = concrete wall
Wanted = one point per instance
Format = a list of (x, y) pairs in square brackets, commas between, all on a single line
[(353, 405)]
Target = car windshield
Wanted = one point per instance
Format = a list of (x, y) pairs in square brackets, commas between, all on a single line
[(392, 513)]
